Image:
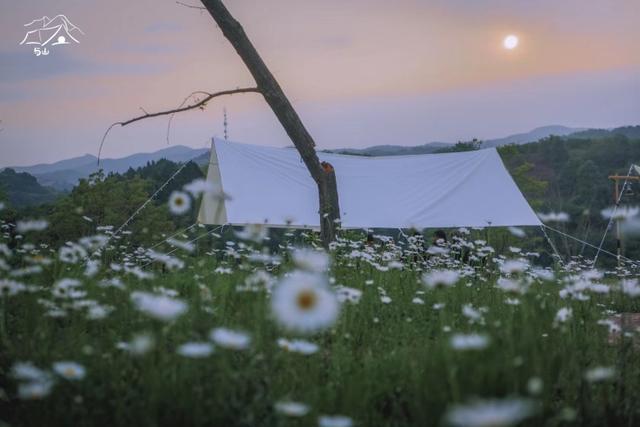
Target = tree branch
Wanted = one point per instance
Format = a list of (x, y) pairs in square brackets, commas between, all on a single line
[(190, 6), (199, 104)]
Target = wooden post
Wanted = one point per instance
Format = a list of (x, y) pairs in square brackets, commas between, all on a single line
[(616, 201)]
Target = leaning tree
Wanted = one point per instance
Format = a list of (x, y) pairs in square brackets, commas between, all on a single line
[(322, 172)]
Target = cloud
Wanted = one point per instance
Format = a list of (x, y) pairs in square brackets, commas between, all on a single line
[(23, 66)]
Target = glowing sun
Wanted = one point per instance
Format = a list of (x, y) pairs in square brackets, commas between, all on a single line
[(510, 42)]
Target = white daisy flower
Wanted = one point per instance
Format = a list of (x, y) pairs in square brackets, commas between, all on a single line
[(469, 341), (311, 260), (181, 244), (621, 212), (543, 274), (92, 268), (69, 370), (10, 287), (513, 266), (179, 203), (35, 389), (563, 315), (158, 306), (346, 294), (27, 371), (139, 345), (471, 313), (200, 186), (303, 302), (554, 217), (630, 287), (491, 413), (253, 232), (291, 409), (72, 253), (298, 346), (228, 338), (518, 232), (599, 374), (334, 421), (195, 350), (509, 285), (440, 278)]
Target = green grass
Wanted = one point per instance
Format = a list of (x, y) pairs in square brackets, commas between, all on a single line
[(381, 364)]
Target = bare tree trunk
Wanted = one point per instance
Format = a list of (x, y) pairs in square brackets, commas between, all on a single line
[(322, 174)]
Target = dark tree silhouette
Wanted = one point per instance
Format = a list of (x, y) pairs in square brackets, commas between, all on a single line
[(322, 173)]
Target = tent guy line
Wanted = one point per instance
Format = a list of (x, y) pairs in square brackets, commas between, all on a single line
[(278, 170)]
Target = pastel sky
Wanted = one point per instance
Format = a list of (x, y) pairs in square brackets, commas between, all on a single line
[(360, 72)]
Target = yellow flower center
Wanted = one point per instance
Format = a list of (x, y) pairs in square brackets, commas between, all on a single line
[(306, 300)]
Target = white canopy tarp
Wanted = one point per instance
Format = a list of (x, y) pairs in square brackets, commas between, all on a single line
[(272, 186)]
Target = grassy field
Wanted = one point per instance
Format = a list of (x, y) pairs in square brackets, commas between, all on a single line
[(457, 336)]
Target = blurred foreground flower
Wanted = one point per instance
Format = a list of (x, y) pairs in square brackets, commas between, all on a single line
[(298, 346), (440, 278), (599, 374), (69, 370), (311, 260), (334, 421), (469, 341), (195, 350), (553, 217), (303, 302), (179, 203), (491, 413), (139, 345), (292, 409), (227, 338), (159, 306)]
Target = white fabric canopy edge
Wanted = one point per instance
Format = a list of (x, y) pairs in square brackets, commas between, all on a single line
[(272, 186)]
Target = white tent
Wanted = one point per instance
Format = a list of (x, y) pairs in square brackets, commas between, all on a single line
[(272, 186)]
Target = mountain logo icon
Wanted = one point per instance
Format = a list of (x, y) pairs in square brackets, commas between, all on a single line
[(58, 30)]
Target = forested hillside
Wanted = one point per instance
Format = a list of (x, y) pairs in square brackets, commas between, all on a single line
[(109, 200), (22, 189), (571, 175)]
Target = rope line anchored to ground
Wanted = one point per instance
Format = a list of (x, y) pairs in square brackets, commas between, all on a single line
[(628, 260)]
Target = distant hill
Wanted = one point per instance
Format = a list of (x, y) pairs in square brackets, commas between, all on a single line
[(631, 132), (435, 147), (64, 175), (23, 189), (532, 136), (392, 150)]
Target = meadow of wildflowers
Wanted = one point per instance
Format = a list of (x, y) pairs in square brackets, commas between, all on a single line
[(249, 333)]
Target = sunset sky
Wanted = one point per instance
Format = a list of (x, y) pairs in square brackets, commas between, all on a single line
[(360, 73)]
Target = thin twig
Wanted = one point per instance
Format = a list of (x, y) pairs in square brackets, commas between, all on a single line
[(199, 104), (180, 106), (190, 6)]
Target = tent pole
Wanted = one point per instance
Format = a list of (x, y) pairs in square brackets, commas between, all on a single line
[(618, 198)]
